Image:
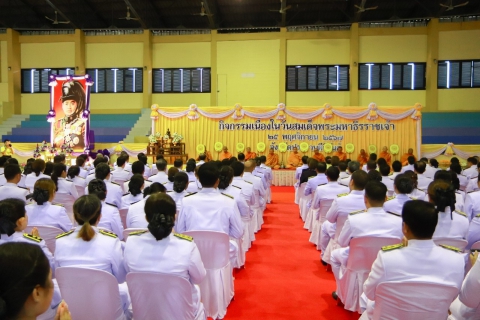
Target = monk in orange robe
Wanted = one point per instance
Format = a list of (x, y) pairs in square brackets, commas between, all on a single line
[(249, 155), (362, 157), (225, 154), (404, 159), (294, 159), (342, 156), (208, 155), (272, 160), (318, 156), (385, 155)]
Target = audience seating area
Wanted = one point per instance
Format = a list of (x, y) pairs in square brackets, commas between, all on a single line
[(107, 128)]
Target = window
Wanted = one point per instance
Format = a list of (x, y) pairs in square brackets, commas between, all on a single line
[(317, 78), (116, 80), (392, 76), (36, 80), (181, 80), (458, 74)]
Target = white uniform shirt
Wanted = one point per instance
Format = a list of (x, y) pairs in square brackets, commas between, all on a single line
[(32, 178), (171, 255), (83, 172), (423, 181), (111, 220), (259, 173), (236, 193), (472, 204), (298, 171), (460, 200), (212, 211), (268, 172), (199, 163), (326, 191), (421, 260), (129, 198), (78, 181), (22, 181), (473, 231), (418, 194), (388, 183), (463, 181), (11, 190), (448, 228), (48, 215), (3, 180), (120, 174), (374, 222), (314, 182), (20, 236), (469, 297), (258, 189), (67, 187), (345, 181), (395, 205), (114, 193), (178, 198), (103, 252), (247, 189), (194, 186), (168, 185), (89, 178), (430, 171), (471, 172), (136, 215), (472, 185), (147, 183), (408, 167), (191, 176), (147, 172), (342, 206), (343, 175)]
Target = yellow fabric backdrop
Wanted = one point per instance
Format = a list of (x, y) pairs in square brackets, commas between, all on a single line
[(206, 131)]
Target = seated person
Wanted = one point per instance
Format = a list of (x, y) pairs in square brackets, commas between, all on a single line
[(362, 157), (402, 186), (320, 179), (311, 171), (342, 156), (423, 181), (294, 159), (272, 160), (410, 164), (404, 159), (318, 156), (385, 155), (249, 155), (225, 154)]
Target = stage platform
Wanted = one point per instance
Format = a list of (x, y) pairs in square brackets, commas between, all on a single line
[(283, 178)]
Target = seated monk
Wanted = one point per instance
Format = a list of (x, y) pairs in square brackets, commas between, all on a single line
[(342, 156), (225, 154), (272, 160), (404, 159), (208, 156), (385, 155), (249, 155), (362, 157), (294, 159), (318, 156)]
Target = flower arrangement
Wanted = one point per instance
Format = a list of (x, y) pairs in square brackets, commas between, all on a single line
[(177, 138), (158, 135), (152, 138), (36, 152), (44, 146)]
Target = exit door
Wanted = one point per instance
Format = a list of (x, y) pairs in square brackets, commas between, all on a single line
[(221, 90)]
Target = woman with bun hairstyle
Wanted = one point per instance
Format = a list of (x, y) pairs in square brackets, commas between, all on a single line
[(451, 177), (135, 189), (110, 216), (38, 167), (402, 186), (180, 185), (136, 211), (87, 246), (171, 176), (73, 174), (64, 186), (160, 250), (451, 223), (26, 286), (48, 168), (416, 193), (42, 212)]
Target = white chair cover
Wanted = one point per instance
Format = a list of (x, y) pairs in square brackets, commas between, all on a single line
[(297, 194), (458, 243), (217, 287), (363, 252), (252, 224), (67, 200), (260, 219), (333, 244), (301, 192), (317, 224), (126, 232), (240, 252), (413, 300), (123, 216), (90, 293), (48, 234), (80, 190), (303, 204), (476, 245), (246, 242), (310, 218), (162, 296)]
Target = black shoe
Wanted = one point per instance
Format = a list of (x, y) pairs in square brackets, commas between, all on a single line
[(334, 295), (324, 263)]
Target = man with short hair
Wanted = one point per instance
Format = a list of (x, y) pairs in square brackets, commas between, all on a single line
[(241, 157), (114, 190), (201, 159), (120, 174), (373, 222), (423, 181), (342, 166), (397, 169), (161, 176), (457, 168), (371, 157), (249, 155), (315, 181), (13, 174), (80, 162), (371, 165), (473, 183), (294, 159), (178, 163), (385, 155), (272, 160), (96, 162), (143, 158), (258, 188), (385, 171), (410, 164), (225, 154), (7, 149), (138, 167), (351, 168), (246, 187), (471, 170), (268, 175), (404, 159), (419, 258), (342, 156), (328, 190), (432, 168), (311, 171)]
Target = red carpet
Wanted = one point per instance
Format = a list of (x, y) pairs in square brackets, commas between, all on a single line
[(284, 278)]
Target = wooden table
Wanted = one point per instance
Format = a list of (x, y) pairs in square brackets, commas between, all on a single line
[(169, 151)]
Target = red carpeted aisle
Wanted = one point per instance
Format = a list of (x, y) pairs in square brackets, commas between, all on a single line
[(284, 278)]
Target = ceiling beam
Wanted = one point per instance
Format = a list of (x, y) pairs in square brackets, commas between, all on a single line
[(284, 12), (40, 17), (210, 14), (142, 23), (89, 5), (54, 7), (158, 19)]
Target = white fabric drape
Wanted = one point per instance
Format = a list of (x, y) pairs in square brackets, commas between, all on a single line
[(442, 149), (131, 153), (434, 154), (304, 116)]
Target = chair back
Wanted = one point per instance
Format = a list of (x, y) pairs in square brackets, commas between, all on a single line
[(364, 251), (413, 300), (80, 190), (213, 246), (324, 207), (90, 293), (67, 200), (120, 182), (476, 245), (160, 296), (457, 243), (123, 216), (48, 234), (126, 232)]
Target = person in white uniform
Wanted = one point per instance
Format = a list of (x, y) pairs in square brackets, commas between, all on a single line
[(13, 174), (431, 168), (86, 246), (472, 203), (351, 168), (342, 166), (246, 187), (160, 250), (467, 304), (410, 165), (161, 176), (403, 186), (258, 189), (473, 182), (3, 162), (73, 175), (457, 168), (397, 169), (137, 168), (452, 178), (115, 193), (417, 194), (423, 181), (180, 185), (136, 213), (419, 259), (373, 222), (471, 170), (64, 186), (42, 212), (171, 176), (91, 175), (385, 171), (193, 183), (315, 181), (120, 173), (451, 223), (135, 190), (38, 166), (144, 160)]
